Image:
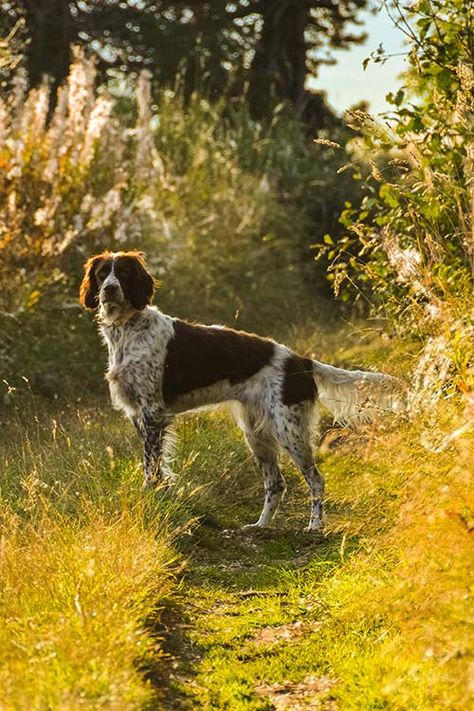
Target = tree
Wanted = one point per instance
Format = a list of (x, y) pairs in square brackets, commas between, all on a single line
[(293, 34), (264, 47), (47, 31), (410, 248)]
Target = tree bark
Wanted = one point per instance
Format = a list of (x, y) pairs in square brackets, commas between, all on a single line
[(278, 69), (49, 51)]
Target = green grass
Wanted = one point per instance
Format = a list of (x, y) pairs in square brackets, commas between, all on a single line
[(115, 599), (374, 616), (86, 562)]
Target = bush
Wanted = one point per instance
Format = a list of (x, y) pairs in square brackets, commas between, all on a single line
[(219, 203), (409, 250)]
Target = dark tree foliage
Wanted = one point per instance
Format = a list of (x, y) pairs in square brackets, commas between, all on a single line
[(263, 49), (44, 32)]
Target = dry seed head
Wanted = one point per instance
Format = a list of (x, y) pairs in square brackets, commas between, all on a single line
[(338, 279), (143, 94), (104, 208), (407, 263), (148, 163), (465, 95), (4, 122), (40, 111), (81, 93), (360, 231), (344, 167), (17, 94), (376, 172), (327, 142), (399, 163), (98, 120), (466, 77), (57, 134)]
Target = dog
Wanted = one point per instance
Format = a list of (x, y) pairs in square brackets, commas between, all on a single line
[(160, 366)]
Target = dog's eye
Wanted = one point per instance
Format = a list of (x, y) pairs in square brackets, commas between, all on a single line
[(121, 272), (102, 272)]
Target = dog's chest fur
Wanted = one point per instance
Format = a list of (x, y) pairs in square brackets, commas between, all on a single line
[(137, 352)]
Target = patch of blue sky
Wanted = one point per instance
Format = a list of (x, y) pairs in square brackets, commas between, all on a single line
[(346, 83)]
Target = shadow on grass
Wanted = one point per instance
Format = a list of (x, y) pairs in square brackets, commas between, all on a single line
[(240, 584), (172, 673), (232, 571)]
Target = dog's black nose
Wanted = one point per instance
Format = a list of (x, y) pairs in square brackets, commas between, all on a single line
[(110, 289)]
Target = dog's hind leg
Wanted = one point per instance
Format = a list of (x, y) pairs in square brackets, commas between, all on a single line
[(265, 450), (291, 429)]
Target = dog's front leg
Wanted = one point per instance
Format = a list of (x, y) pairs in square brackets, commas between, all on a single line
[(152, 425)]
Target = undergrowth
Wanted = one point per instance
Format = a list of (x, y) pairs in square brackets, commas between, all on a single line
[(375, 615), (86, 564)]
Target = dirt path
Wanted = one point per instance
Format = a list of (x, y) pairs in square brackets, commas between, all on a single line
[(243, 635)]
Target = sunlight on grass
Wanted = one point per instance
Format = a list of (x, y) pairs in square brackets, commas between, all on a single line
[(375, 615), (85, 567), (384, 603)]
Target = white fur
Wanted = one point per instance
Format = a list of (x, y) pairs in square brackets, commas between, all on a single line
[(352, 395), (271, 387)]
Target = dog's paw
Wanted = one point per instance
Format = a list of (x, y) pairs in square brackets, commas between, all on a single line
[(155, 485), (316, 527)]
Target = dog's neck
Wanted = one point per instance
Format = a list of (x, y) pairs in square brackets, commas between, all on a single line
[(125, 324), (110, 315)]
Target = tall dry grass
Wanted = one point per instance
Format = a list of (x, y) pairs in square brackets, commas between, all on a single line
[(86, 564)]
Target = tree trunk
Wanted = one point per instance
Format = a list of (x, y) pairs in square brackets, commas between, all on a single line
[(49, 51), (278, 69)]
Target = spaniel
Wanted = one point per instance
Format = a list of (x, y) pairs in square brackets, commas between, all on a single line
[(160, 366)]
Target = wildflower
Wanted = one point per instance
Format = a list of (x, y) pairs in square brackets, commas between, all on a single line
[(148, 163), (406, 262), (98, 120)]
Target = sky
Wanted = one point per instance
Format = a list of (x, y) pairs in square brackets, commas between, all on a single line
[(346, 83)]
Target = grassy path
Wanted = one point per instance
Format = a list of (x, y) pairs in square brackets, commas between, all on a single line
[(372, 616), (245, 632), (249, 630), (376, 615)]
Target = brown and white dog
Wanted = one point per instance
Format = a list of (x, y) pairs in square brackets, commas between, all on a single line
[(160, 366)]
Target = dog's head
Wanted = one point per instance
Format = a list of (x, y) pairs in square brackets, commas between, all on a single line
[(116, 283)]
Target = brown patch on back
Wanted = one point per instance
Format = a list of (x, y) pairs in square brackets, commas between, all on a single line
[(200, 356), (298, 383)]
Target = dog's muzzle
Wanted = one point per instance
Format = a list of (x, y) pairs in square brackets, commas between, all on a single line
[(111, 292)]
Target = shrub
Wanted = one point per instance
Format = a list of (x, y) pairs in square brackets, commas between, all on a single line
[(219, 203), (409, 249)]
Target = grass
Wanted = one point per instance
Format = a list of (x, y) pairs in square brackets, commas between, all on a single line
[(85, 566), (375, 615)]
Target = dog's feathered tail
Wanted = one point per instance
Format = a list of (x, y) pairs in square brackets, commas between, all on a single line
[(352, 396)]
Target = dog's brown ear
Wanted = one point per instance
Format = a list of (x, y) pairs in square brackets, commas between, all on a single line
[(89, 289), (142, 284)]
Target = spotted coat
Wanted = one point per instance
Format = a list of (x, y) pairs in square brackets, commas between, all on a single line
[(160, 366)]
